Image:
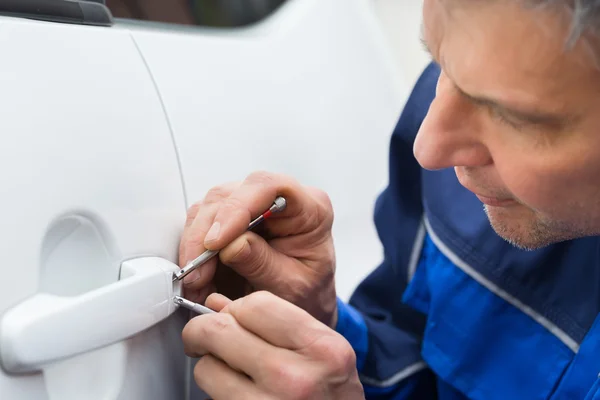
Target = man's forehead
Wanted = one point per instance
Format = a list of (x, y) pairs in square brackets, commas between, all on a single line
[(508, 50)]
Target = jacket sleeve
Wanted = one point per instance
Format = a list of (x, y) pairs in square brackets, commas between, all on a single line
[(384, 332)]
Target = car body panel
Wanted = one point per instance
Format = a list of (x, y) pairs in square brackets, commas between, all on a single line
[(90, 179)]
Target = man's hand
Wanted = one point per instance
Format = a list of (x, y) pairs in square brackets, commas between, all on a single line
[(262, 347), (293, 256)]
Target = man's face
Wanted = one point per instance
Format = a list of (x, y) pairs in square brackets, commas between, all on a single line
[(517, 116)]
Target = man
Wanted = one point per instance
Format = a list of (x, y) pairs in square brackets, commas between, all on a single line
[(490, 286)]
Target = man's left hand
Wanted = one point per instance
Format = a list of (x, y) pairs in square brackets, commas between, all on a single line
[(263, 347)]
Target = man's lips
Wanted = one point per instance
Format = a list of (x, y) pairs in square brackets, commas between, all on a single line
[(492, 201), (489, 200)]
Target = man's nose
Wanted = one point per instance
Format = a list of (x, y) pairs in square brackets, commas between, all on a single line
[(450, 135)]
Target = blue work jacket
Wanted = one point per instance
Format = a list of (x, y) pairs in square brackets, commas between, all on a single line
[(454, 311)]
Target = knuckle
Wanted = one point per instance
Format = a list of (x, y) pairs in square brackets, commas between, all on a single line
[(273, 368), (296, 288), (262, 178), (234, 204), (220, 323), (259, 300), (303, 385), (343, 363), (321, 196), (206, 327), (324, 215), (339, 356), (195, 241), (316, 217), (192, 211), (324, 206), (216, 194), (297, 382)]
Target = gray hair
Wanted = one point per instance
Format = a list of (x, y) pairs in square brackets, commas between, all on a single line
[(585, 16)]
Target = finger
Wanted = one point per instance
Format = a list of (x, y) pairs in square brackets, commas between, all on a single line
[(198, 221), (199, 295), (220, 192), (221, 382), (217, 301), (255, 195), (220, 335), (277, 321), (192, 245), (316, 216), (255, 260), (190, 217)]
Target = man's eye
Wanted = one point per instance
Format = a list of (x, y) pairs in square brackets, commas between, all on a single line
[(503, 119)]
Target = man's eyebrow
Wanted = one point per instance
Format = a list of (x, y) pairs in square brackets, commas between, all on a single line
[(532, 116)]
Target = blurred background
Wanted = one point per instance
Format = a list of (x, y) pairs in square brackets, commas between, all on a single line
[(401, 23)]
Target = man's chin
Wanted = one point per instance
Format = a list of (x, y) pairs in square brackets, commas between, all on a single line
[(520, 228), (520, 243)]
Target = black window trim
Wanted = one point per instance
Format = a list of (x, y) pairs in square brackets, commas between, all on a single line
[(91, 12)]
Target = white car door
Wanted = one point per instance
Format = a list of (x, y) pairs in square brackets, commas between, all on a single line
[(89, 180)]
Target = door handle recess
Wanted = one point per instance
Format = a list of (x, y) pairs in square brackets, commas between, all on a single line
[(46, 328)]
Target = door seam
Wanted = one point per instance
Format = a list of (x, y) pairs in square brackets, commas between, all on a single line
[(166, 114), (188, 364)]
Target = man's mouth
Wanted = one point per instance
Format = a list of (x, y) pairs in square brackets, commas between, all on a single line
[(491, 200), (495, 202)]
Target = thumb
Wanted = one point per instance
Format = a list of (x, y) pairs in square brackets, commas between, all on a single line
[(217, 302), (255, 260)]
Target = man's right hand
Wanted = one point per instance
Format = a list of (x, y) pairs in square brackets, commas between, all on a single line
[(294, 258)]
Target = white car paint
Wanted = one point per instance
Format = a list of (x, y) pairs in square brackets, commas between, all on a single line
[(89, 179), (110, 133), (310, 92)]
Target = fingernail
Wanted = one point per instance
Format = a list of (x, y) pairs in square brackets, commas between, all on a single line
[(213, 233), (191, 277)]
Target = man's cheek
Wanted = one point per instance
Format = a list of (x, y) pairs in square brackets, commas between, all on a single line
[(540, 191)]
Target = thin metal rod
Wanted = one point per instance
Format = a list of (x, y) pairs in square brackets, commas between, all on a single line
[(190, 305), (198, 261)]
